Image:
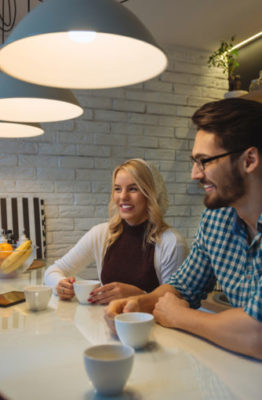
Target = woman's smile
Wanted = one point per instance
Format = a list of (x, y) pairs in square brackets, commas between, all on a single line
[(126, 206)]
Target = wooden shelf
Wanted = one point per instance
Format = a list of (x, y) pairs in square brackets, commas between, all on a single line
[(254, 95), (37, 264)]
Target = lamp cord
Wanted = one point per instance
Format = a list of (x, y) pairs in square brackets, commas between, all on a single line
[(8, 25), (8, 19)]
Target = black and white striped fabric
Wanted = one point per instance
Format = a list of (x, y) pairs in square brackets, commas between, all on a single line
[(25, 214)]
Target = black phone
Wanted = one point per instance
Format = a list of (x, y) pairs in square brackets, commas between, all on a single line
[(11, 298)]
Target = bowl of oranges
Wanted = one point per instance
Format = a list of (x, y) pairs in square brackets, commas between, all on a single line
[(5, 250), (16, 258)]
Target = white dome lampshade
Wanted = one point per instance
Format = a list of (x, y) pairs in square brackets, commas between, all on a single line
[(24, 102), (82, 44), (14, 130)]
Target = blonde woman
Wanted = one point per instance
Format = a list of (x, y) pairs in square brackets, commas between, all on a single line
[(135, 251)]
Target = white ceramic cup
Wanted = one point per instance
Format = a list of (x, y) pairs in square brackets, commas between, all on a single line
[(83, 289), (134, 328), (108, 367), (37, 297)]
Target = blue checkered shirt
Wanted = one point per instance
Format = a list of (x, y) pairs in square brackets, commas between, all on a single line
[(221, 252)]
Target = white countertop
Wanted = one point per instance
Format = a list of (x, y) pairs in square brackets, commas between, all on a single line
[(41, 357)]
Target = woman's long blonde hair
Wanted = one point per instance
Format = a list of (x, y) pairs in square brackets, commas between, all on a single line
[(144, 180)]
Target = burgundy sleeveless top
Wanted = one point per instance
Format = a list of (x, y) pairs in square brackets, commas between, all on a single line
[(127, 261)]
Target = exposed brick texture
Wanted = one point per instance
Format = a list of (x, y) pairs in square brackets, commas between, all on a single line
[(70, 165)]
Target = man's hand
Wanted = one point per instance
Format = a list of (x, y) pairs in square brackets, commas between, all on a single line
[(142, 303), (112, 291), (117, 307), (168, 308)]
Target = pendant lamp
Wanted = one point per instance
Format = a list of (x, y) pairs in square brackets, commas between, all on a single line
[(82, 44), (24, 102), (12, 130)]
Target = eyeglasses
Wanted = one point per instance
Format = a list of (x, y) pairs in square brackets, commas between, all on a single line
[(201, 162)]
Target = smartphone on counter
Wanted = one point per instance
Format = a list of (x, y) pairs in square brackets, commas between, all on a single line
[(11, 298)]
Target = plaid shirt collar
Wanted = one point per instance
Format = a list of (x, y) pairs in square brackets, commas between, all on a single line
[(239, 225)]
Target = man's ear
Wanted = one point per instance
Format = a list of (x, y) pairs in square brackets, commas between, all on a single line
[(252, 158)]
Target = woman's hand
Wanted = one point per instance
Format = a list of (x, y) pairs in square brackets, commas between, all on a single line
[(65, 289), (112, 291), (117, 307)]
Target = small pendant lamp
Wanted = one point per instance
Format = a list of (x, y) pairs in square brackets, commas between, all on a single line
[(24, 102), (82, 44), (14, 130)]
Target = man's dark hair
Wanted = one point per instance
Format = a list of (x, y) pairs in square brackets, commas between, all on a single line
[(236, 122)]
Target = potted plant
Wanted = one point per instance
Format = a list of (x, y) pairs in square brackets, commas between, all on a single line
[(225, 57)]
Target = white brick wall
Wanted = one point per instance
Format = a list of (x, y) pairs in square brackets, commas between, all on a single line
[(70, 165)]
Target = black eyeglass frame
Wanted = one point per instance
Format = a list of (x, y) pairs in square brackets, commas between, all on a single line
[(201, 163)]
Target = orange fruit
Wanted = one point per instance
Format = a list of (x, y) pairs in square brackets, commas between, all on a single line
[(5, 250)]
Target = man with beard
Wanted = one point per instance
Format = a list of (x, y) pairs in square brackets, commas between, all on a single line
[(227, 162)]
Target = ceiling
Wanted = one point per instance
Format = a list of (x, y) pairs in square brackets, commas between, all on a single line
[(200, 24)]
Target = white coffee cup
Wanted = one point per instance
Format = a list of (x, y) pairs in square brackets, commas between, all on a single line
[(134, 328), (108, 367), (37, 297), (83, 289)]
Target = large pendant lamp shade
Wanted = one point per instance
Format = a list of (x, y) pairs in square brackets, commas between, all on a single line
[(14, 130), (24, 102), (82, 44)]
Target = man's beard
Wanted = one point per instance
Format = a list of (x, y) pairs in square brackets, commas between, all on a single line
[(232, 189)]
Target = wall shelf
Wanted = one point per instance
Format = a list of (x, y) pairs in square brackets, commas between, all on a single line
[(254, 94)]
